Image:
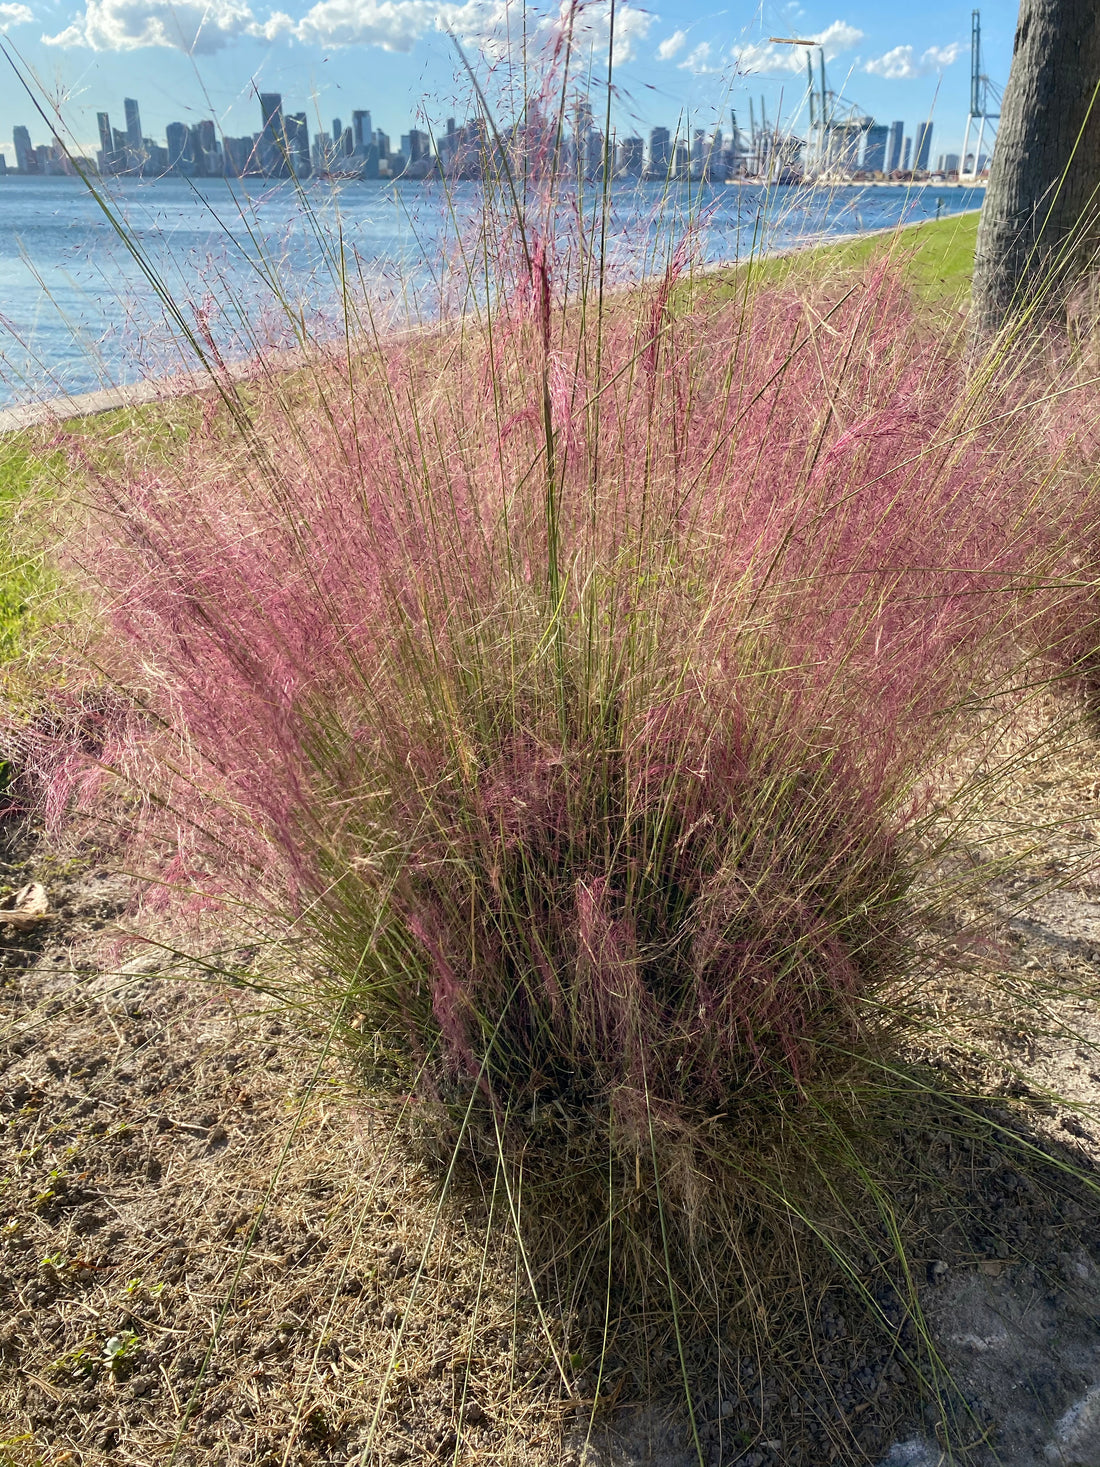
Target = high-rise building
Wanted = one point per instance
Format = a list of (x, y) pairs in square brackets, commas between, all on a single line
[(3, 166), (272, 145), (240, 158), (133, 125), (361, 132), (60, 158), (25, 157), (631, 157), (660, 152), (893, 146), (445, 145), (178, 136), (874, 150), (205, 150), (843, 146), (297, 144), (906, 152), (419, 145), (337, 131), (593, 153), (195, 151), (108, 157), (924, 147)]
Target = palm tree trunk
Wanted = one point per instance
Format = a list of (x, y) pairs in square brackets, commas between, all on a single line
[(1040, 224)]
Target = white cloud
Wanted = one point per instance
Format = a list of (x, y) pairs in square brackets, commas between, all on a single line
[(903, 64), (699, 60), (671, 45), (197, 26), (766, 58), (392, 25), (591, 28), (494, 27), (14, 15)]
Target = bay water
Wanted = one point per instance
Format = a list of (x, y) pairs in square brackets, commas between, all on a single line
[(99, 291)]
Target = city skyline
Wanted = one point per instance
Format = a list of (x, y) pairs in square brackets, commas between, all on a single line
[(680, 62), (284, 146)]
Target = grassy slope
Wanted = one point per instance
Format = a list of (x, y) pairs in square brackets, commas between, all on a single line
[(25, 582), (32, 465), (939, 259), (940, 256)]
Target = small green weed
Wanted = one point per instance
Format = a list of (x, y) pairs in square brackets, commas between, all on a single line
[(120, 1353), (80, 1363)]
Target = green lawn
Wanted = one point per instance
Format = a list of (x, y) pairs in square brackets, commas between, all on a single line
[(939, 256), (939, 259), (26, 584)]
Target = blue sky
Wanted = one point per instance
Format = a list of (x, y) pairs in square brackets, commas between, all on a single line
[(196, 58)]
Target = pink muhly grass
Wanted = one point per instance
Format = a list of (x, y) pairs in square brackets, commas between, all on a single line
[(648, 824)]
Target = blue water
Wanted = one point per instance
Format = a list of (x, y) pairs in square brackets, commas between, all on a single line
[(85, 303)]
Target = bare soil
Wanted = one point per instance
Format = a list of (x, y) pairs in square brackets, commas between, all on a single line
[(176, 1171), (215, 1249)]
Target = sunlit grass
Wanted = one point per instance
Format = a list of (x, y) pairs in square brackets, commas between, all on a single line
[(598, 698), (937, 258)]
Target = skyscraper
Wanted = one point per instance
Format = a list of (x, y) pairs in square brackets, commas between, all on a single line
[(874, 151), (361, 131), (196, 150), (893, 147), (25, 155), (297, 144), (239, 157), (924, 147), (272, 144), (906, 151), (630, 157), (660, 152), (133, 125), (106, 142), (179, 151)]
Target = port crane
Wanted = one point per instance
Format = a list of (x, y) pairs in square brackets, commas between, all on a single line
[(836, 124), (985, 105)]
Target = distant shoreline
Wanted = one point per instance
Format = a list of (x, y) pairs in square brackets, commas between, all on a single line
[(257, 178)]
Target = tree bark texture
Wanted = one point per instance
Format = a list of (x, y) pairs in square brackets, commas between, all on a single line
[(1039, 226)]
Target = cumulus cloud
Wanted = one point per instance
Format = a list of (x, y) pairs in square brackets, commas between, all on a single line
[(699, 60), (495, 27), (671, 46), (392, 25), (903, 64), (14, 15), (768, 59), (591, 28), (196, 26)]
